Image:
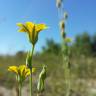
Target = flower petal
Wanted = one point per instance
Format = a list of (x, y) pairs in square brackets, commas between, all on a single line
[(40, 27), (19, 24), (22, 27), (22, 70), (28, 71), (33, 70), (29, 26), (13, 69)]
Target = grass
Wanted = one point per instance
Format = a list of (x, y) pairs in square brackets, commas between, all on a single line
[(82, 71)]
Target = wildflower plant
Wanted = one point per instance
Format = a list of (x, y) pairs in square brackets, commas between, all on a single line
[(65, 48), (32, 31), (23, 71)]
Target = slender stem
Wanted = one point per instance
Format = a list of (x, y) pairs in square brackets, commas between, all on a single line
[(20, 89), (66, 68), (39, 94), (31, 73), (31, 83)]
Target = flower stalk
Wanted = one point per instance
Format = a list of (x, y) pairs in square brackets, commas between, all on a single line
[(31, 72), (66, 67), (65, 47), (20, 89), (31, 83)]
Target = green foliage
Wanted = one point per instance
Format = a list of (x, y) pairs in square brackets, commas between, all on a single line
[(94, 45), (82, 44), (82, 67), (51, 47)]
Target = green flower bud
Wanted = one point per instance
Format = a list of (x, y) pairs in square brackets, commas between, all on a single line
[(42, 77), (65, 15), (62, 25)]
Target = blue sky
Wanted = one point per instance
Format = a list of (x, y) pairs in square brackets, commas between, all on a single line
[(82, 17)]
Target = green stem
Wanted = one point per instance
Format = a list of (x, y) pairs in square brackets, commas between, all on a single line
[(39, 94), (20, 89), (31, 73), (66, 68), (31, 83)]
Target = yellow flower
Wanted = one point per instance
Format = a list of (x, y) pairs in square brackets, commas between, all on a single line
[(22, 71), (32, 30)]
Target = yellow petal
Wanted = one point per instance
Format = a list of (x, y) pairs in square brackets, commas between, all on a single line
[(22, 27), (22, 30), (13, 69), (29, 26), (28, 71), (19, 24), (22, 70), (33, 70), (40, 27)]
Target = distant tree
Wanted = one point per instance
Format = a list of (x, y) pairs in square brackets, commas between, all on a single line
[(51, 47), (20, 54), (82, 44), (94, 45)]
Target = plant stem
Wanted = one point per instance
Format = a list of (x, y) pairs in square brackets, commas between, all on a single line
[(39, 94), (31, 83), (20, 89), (31, 73), (66, 68)]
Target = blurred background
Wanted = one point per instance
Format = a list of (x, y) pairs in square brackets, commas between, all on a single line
[(81, 27)]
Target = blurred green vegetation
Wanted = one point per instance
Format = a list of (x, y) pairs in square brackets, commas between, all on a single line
[(82, 67)]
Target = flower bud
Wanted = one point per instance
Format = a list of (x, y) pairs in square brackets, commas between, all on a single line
[(62, 25), (65, 15), (41, 81), (58, 3)]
